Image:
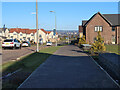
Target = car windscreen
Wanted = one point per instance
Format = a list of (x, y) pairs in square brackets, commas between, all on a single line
[(48, 42), (8, 40)]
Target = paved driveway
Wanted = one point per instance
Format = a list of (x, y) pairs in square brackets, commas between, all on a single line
[(68, 68)]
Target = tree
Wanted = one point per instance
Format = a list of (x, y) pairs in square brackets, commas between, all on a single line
[(82, 40), (98, 46)]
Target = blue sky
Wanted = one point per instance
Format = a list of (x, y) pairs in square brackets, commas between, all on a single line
[(69, 14)]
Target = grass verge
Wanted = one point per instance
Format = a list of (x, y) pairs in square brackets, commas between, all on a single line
[(113, 49), (28, 65)]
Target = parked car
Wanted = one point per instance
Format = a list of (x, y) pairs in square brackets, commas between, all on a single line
[(11, 43), (26, 44), (49, 43)]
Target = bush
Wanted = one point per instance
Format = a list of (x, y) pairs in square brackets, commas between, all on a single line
[(82, 40), (98, 46)]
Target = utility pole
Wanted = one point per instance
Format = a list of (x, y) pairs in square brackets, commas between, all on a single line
[(55, 28), (37, 50)]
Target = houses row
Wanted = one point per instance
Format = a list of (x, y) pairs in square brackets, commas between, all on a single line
[(28, 35), (107, 24)]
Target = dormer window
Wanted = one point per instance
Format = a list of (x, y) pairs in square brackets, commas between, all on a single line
[(14, 33), (20, 34)]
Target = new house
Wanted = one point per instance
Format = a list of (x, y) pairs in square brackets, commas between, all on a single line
[(107, 24), (29, 35)]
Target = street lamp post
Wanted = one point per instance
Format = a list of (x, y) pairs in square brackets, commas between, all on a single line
[(55, 26), (37, 50)]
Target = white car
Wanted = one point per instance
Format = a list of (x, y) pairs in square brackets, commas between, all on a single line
[(49, 43), (11, 43), (26, 44)]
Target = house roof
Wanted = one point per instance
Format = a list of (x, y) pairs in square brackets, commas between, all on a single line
[(111, 19), (44, 31), (18, 30), (49, 32), (26, 30)]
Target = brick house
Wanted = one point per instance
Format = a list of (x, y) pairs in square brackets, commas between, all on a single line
[(107, 24)]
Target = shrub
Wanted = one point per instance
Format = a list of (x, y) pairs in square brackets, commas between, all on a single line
[(82, 40), (98, 46)]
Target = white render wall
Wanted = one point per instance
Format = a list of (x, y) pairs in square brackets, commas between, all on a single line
[(23, 36)]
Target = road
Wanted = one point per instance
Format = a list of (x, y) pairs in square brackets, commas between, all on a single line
[(69, 67), (10, 54)]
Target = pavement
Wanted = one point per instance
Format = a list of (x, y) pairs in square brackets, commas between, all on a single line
[(68, 67)]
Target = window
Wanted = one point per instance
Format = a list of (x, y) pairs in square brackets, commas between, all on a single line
[(14, 33), (21, 34), (24, 38), (11, 36), (113, 28), (98, 28), (32, 34), (28, 39)]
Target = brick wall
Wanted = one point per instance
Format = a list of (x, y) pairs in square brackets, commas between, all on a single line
[(107, 30), (118, 35)]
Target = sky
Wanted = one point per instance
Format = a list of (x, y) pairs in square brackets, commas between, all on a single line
[(68, 14)]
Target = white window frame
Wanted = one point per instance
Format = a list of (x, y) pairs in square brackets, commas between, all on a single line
[(98, 28)]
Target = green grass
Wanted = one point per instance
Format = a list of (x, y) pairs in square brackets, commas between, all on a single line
[(28, 64), (113, 48)]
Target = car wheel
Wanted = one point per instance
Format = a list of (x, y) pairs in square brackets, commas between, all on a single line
[(14, 47), (20, 47), (3, 48)]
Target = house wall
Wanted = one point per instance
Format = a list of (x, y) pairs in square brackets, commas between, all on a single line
[(106, 33), (80, 31), (118, 35), (44, 36)]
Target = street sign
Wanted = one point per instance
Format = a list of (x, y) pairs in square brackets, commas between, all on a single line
[(54, 32)]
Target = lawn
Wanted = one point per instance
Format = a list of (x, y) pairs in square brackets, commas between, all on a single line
[(113, 48), (28, 64)]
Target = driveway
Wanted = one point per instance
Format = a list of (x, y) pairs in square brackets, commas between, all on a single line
[(69, 67), (10, 54)]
